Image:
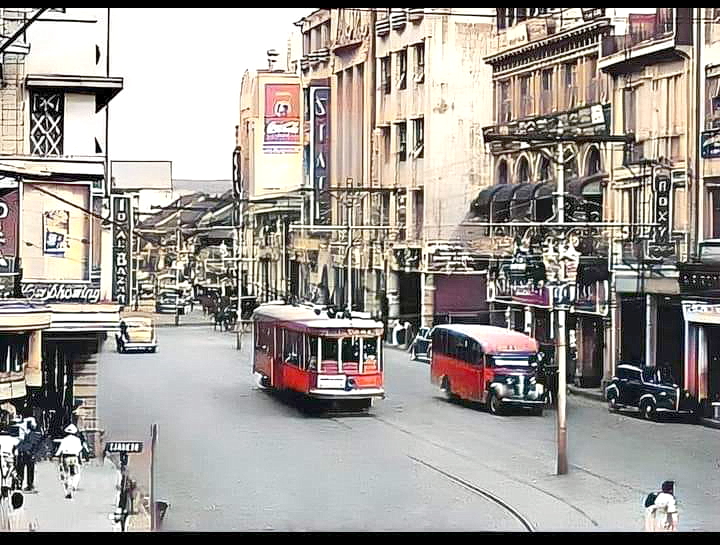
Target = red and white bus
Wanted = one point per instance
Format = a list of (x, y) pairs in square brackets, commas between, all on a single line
[(487, 364), (305, 350)]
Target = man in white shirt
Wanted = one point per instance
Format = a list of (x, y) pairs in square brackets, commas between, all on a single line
[(662, 515), (69, 451), (8, 451)]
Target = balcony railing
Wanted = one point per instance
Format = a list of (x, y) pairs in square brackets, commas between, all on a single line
[(646, 28)]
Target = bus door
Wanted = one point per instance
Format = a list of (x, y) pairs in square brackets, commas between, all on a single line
[(476, 359)]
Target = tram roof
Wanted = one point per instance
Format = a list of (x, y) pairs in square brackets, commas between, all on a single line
[(306, 317), (495, 339)]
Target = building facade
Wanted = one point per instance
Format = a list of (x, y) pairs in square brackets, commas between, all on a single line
[(55, 93)]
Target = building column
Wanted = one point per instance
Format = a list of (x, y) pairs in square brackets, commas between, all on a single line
[(702, 363), (33, 370), (427, 305), (650, 329), (691, 343), (528, 321), (393, 295)]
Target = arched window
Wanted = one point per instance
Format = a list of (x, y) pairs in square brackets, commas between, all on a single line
[(523, 171), (571, 165), (592, 164), (545, 172), (502, 172)]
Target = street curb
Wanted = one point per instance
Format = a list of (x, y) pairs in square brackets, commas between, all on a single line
[(190, 324), (707, 422), (588, 394)]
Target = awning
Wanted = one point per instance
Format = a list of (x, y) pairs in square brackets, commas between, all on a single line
[(588, 185), (104, 88), (521, 205)]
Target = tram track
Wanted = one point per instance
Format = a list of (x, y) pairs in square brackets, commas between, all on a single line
[(476, 461), (479, 492)]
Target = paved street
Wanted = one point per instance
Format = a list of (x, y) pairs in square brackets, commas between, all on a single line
[(233, 457)]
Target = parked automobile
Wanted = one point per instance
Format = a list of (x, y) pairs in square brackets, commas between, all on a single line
[(649, 390), (169, 302), (420, 347), (136, 333)]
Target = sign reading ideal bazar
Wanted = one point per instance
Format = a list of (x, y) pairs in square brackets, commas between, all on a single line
[(122, 215), (58, 292)]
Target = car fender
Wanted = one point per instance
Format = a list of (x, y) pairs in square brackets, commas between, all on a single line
[(646, 396), (612, 387)]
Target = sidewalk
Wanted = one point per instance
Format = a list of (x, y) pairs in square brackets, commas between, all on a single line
[(88, 511), (598, 395)]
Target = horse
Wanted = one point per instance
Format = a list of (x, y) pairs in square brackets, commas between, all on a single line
[(208, 304), (225, 317)]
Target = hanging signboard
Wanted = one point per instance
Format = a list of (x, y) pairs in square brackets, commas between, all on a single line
[(710, 144), (122, 249), (9, 205), (320, 152), (661, 246)]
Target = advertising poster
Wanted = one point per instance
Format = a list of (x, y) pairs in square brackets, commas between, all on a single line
[(9, 217), (282, 118), (56, 232)]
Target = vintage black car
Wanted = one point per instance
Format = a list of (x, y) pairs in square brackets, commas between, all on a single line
[(650, 390), (420, 347)]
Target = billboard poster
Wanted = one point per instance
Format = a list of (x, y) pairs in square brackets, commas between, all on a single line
[(320, 152), (56, 232), (282, 118), (122, 249), (9, 216)]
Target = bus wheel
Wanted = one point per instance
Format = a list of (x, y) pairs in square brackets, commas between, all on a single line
[(264, 382), (447, 389), (494, 404)]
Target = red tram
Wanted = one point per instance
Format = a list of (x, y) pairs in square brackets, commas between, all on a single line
[(308, 351)]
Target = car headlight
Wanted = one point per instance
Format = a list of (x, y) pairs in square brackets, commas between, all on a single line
[(508, 381), (540, 389)]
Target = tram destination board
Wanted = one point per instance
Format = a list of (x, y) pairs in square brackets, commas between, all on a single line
[(128, 447)]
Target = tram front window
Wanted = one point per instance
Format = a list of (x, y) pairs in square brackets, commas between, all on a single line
[(330, 350), (351, 350)]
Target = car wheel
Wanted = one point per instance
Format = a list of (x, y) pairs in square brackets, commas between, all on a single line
[(494, 404), (647, 409), (612, 402)]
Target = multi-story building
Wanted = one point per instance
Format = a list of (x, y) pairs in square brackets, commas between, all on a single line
[(548, 85), (700, 274), (651, 62), (55, 91), (269, 151), (431, 103)]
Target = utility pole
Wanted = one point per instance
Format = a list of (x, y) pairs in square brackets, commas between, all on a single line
[(560, 354), (349, 205), (177, 267)]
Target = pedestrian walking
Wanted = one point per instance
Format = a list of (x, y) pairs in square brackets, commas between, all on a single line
[(18, 518), (28, 453), (70, 451), (661, 514), (8, 452)]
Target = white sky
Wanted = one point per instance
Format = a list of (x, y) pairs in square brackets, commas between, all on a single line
[(182, 69)]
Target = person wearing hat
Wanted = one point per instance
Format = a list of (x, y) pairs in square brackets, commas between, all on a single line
[(69, 451)]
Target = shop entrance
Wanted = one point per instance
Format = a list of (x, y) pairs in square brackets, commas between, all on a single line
[(671, 340), (712, 333), (632, 333)]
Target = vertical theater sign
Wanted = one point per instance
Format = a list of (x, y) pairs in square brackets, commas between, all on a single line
[(320, 152), (122, 245)]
